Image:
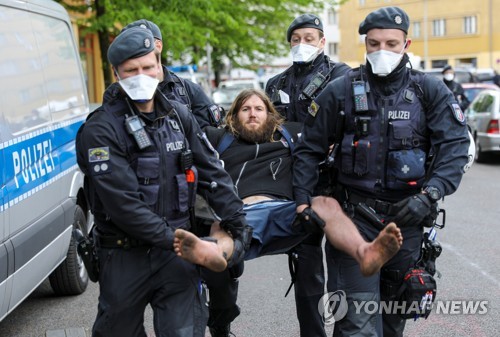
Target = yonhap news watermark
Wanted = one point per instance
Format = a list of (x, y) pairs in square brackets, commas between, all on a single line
[(333, 306)]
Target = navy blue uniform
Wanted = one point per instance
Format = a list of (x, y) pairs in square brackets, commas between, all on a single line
[(139, 197), (183, 91), (295, 79), (382, 160), (286, 93)]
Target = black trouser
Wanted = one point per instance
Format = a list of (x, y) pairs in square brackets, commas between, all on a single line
[(344, 274), (130, 279), (223, 293), (309, 287)]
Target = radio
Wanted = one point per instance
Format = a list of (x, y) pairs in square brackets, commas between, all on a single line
[(316, 83), (359, 94), (135, 127)]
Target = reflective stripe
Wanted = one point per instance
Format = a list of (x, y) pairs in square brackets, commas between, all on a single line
[(37, 159)]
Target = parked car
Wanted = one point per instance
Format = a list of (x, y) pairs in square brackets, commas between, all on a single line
[(224, 97), (240, 84), (461, 75), (484, 75), (483, 117), (472, 89)]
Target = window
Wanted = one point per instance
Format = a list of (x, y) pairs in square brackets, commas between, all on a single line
[(361, 2), (470, 25), (484, 103), (333, 48), (416, 29), (332, 17), (439, 27)]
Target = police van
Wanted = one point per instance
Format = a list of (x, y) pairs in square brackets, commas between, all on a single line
[(43, 101)]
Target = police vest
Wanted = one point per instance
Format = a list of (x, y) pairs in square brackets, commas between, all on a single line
[(179, 92), (385, 147), (296, 109), (166, 187)]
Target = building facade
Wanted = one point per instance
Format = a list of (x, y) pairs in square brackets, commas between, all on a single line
[(461, 33)]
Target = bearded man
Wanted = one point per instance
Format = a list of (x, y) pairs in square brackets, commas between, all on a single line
[(256, 148)]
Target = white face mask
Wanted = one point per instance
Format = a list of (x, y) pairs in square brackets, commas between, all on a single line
[(449, 77), (304, 53), (139, 88), (383, 62)]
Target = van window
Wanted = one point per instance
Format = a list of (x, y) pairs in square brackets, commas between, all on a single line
[(29, 62)]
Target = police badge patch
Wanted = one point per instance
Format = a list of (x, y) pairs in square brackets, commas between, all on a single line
[(98, 154), (99, 160), (313, 108), (458, 113)]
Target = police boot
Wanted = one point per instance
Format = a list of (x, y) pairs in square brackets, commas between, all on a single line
[(309, 288), (221, 331)]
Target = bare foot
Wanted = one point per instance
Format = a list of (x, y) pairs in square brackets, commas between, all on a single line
[(375, 254), (197, 251)]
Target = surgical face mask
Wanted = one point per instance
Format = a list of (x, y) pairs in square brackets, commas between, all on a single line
[(139, 88), (304, 53), (383, 62), (449, 77)]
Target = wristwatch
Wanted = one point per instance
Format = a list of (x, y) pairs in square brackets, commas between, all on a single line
[(433, 193)]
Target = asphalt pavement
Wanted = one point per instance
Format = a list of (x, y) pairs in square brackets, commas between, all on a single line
[(468, 266)]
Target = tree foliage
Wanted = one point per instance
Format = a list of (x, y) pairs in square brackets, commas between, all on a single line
[(244, 31)]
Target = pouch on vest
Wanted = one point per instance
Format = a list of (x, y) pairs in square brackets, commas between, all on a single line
[(362, 151), (405, 169), (347, 154), (417, 294), (401, 135), (148, 169)]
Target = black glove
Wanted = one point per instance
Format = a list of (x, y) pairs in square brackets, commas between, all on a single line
[(241, 233), (430, 220), (311, 221), (412, 210)]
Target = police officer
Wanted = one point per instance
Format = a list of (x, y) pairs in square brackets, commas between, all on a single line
[(142, 156), (291, 93), (455, 87), (395, 118), (174, 87)]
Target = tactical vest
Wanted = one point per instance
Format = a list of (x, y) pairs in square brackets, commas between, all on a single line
[(179, 92), (386, 147), (166, 187), (296, 109)]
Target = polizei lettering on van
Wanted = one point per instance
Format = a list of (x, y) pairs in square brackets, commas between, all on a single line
[(33, 162)]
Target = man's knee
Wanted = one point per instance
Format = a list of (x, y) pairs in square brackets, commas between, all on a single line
[(326, 207)]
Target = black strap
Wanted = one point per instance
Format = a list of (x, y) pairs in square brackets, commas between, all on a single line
[(293, 260)]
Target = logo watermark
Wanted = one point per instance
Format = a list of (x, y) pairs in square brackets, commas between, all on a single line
[(333, 307)]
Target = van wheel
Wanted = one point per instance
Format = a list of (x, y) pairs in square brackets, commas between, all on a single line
[(71, 277)]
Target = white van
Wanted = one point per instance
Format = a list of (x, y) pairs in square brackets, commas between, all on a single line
[(43, 101)]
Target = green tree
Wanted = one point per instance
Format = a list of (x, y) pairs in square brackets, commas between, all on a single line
[(245, 32)]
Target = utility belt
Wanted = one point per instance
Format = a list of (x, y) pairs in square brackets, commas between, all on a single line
[(112, 240), (116, 241), (379, 206)]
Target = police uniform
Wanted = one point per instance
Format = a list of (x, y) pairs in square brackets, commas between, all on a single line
[(176, 88), (457, 90), (286, 91), (382, 160), (139, 197)]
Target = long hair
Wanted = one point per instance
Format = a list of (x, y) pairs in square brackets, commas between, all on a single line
[(273, 116)]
